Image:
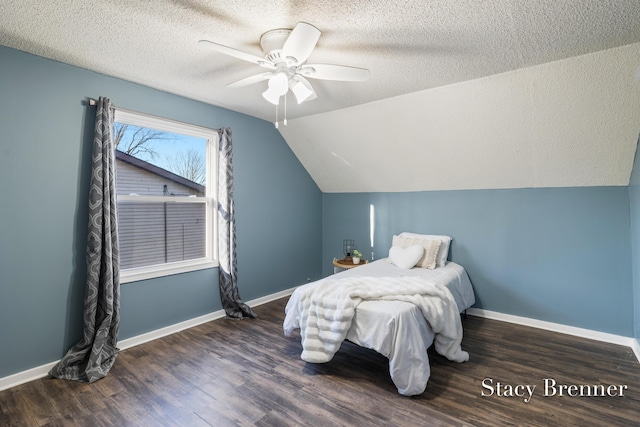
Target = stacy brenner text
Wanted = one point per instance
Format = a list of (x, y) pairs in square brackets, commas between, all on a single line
[(551, 388)]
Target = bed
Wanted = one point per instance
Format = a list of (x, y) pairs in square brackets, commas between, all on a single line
[(398, 325)]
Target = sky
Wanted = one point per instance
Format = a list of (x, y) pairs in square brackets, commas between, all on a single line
[(166, 148)]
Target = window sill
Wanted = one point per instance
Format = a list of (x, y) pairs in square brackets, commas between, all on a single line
[(154, 271)]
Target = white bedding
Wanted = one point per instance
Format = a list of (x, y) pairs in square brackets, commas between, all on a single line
[(395, 329)]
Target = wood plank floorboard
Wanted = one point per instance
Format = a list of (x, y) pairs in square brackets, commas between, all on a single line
[(247, 373)]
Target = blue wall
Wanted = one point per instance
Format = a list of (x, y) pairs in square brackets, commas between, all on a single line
[(556, 254), (634, 201), (46, 130)]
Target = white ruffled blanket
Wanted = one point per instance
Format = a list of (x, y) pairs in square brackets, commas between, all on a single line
[(324, 310)]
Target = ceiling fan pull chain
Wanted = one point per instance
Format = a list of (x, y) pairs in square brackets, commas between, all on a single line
[(285, 109), (276, 122)]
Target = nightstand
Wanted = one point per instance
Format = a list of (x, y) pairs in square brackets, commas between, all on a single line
[(345, 264)]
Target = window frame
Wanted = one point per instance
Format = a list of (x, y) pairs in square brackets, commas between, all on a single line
[(210, 199)]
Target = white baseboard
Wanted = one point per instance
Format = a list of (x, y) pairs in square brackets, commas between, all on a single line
[(26, 376), (43, 371), (635, 346), (557, 327), (163, 332)]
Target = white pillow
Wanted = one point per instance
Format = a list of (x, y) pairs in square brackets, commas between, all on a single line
[(443, 252), (430, 246), (405, 258)]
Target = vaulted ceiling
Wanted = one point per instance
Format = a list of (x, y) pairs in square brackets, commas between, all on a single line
[(487, 94)]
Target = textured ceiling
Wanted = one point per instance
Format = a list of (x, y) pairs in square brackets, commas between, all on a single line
[(408, 46), (462, 94)]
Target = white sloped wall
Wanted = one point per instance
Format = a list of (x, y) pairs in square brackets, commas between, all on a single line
[(566, 123)]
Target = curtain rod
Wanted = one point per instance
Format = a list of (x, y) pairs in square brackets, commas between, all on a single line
[(92, 101)]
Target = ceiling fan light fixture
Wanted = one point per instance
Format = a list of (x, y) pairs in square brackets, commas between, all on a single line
[(277, 86), (272, 96), (279, 83), (300, 90)]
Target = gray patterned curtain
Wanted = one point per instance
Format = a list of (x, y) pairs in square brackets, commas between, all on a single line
[(92, 358), (228, 271)]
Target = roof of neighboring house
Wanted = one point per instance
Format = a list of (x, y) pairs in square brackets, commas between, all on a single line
[(127, 158)]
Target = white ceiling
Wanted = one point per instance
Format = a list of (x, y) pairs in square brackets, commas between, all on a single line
[(462, 94), (408, 46)]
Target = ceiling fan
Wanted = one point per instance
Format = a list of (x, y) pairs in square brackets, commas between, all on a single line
[(285, 55)]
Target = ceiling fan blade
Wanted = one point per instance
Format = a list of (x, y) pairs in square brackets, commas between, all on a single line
[(237, 54), (300, 42), (250, 80), (334, 72)]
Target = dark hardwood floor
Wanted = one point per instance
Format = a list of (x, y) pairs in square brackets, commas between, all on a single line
[(231, 372)]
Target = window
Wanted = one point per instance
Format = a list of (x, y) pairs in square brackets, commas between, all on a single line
[(165, 185)]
